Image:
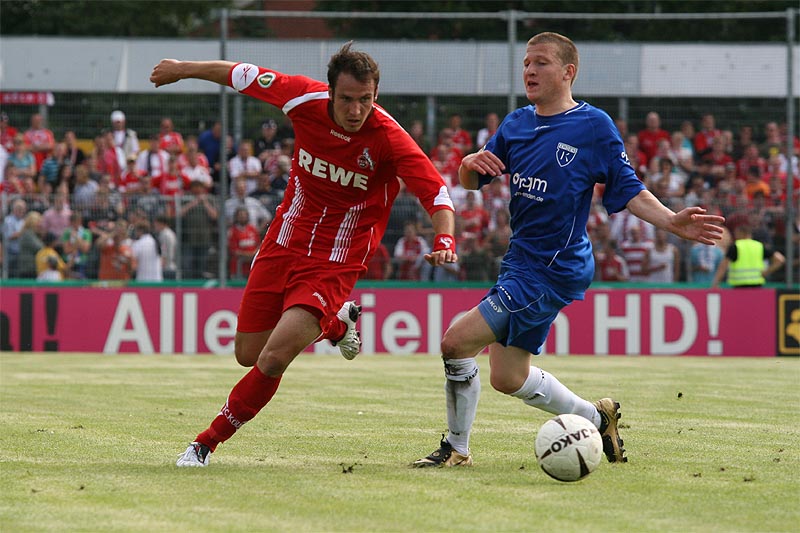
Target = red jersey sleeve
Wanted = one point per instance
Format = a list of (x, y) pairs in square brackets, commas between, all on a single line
[(417, 171), (280, 90)]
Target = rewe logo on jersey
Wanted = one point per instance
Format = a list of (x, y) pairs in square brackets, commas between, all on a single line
[(323, 169), (565, 154)]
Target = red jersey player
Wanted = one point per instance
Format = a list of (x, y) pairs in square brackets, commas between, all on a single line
[(348, 156)]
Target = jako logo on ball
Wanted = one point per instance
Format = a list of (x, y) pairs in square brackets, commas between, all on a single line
[(568, 447)]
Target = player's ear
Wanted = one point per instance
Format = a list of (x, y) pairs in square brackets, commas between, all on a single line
[(570, 72), (376, 93), (330, 92)]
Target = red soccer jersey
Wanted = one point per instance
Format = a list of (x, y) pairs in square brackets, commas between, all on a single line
[(342, 184), (648, 141), (241, 239), (40, 136), (171, 142), (7, 138), (129, 180), (170, 184)]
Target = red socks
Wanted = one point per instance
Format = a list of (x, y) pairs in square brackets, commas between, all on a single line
[(244, 402), (334, 330)]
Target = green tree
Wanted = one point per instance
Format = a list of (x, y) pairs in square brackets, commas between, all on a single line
[(761, 30), (103, 18)]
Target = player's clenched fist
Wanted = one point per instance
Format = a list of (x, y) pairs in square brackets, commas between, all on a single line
[(165, 72)]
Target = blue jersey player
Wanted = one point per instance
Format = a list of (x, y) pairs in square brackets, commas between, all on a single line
[(555, 151)]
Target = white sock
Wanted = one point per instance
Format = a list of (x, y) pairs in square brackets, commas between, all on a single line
[(462, 389), (544, 391)]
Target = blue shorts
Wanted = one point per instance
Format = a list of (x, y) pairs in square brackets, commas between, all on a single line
[(520, 313)]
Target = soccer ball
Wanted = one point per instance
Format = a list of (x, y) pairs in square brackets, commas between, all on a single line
[(568, 447)]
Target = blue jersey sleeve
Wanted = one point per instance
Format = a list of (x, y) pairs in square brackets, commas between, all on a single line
[(622, 183), (496, 145)]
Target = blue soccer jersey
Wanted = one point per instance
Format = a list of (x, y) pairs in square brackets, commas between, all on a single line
[(554, 163)]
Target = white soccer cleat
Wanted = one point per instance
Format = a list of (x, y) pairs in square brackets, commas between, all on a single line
[(195, 455), (350, 344)]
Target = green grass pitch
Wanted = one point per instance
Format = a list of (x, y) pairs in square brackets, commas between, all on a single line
[(88, 443)]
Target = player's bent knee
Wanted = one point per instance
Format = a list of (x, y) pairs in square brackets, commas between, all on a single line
[(248, 346), (450, 347), (273, 364), (505, 383), (245, 359), (245, 355)]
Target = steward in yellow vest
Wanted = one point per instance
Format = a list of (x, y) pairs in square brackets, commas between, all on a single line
[(744, 261)]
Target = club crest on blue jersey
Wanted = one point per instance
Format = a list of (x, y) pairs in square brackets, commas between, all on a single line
[(565, 154), (364, 160)]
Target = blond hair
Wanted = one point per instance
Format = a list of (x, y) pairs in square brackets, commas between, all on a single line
[(32, 220), (566, 51)]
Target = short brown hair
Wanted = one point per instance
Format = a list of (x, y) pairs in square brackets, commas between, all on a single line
[(360, 65), (567, 51)]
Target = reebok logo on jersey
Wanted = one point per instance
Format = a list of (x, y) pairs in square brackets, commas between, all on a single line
[(319, 297), (325, 170), (342, 136), (565, 154), (243, 75)]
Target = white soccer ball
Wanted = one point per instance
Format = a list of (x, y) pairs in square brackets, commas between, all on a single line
[(568, 447)]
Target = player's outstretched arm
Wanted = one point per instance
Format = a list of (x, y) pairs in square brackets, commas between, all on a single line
[(691, 223), (171, 70)]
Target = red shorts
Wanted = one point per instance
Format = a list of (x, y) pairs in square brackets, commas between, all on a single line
[(282, 278)]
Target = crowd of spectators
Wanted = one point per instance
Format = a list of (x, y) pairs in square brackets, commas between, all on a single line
[(149, 210)]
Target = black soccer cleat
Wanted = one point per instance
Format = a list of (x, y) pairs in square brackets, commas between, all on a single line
[(444, 456)]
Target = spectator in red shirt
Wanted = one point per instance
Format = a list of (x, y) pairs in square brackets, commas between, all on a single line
[(751, 158), (704, 137), (651, 135), (172, 182), (380, 266), (103, 160), (474, 218), (446, 159), (409, 253), (636, 157), (610, 265), (39, 139), (243, 241), (743, 140), (170, 140), (7, 133), (719, 156), (129, 178), (193, 165), (461, 137)]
